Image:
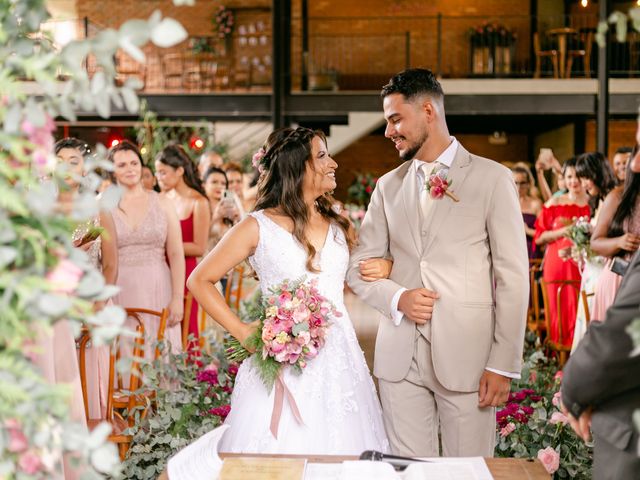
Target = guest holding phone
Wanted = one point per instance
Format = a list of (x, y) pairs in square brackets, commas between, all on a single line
[(617, 236)]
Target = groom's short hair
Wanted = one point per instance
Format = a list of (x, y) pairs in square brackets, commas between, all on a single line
[(412, 83)]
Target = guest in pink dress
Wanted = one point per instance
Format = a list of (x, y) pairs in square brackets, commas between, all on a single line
[(103, 254), (551, 227), (617, 234), (148, 235), (183, 188)]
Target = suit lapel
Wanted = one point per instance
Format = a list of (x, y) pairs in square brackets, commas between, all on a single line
[(411, 199), (440, 210)]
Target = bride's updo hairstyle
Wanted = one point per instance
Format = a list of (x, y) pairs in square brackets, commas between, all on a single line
[(283, 168)]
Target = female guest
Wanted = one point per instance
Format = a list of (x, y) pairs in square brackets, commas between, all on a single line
[(551, 227), (182, 186), (103, 253), (149, 180), (529, 204), (597, 178), (148, 235), (236, 185), (616, 236), (224, 214)]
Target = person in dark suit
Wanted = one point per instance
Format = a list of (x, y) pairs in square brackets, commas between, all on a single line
[(601, 383)]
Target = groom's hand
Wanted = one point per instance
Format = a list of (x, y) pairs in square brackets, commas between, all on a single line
[(417, 304), (494, 389)]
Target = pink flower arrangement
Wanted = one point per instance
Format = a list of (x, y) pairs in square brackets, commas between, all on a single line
[(224, 21), (557, 399), (550, 458), (256, 160), (507, 429), (558, 417), (438, 184), (64, 278), (42, 140), (292, 329), (30, 463), (17, 439)]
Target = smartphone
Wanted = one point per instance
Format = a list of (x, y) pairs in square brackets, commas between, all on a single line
[(227, 196), (619, 266)]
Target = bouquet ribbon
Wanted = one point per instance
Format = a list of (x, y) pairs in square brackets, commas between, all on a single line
[(278, 401)]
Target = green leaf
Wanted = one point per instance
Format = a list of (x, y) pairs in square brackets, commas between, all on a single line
[(300, 327)]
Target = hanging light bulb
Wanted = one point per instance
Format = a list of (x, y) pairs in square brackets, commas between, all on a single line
[(584, 3)]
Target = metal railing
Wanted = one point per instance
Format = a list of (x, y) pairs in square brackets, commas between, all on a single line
[(361, 53)]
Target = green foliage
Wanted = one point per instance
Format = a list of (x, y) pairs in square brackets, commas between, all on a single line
[(43, 278), (361, 189), (531, 420), (192, 397)]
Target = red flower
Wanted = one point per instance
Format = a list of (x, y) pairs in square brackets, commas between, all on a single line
[(221, 411)]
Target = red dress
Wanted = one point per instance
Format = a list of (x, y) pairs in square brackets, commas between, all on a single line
[(555, 268), (186, 226)]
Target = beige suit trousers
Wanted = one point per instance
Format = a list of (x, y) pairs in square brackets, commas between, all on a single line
[(415, 407)]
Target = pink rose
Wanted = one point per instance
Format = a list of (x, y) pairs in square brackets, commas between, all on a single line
[(533, 376), (558, 376), (557, 398), (65, 277), (29, 463), (276, 347), (507, 429), (550, 459), (558, 417), (17, 439)]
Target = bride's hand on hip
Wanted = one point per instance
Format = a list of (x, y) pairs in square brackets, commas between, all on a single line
[(375, 269), (417, 304)]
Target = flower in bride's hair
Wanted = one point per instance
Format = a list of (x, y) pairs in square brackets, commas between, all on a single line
[(256, 160)]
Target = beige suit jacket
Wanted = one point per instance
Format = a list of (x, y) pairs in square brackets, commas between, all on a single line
[(472, 252)]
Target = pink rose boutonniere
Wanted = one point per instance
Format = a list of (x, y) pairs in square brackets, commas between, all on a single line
[(438, 184)]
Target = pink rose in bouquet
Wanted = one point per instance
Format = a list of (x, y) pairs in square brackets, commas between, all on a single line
[(550, 459), (293, 326)]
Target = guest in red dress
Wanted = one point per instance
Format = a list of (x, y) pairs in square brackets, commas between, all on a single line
[(551, 227), (181, 184)]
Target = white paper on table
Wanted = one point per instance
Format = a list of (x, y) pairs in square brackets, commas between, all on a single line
[(323, 471), (440, 471), (199, 460), (477, 463), (368, 470)]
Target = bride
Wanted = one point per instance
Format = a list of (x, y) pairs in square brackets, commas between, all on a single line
[(292, 233)]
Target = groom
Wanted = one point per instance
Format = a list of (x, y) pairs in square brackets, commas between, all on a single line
[(454, 305)]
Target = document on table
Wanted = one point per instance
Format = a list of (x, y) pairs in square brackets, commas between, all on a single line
[(471, 468)]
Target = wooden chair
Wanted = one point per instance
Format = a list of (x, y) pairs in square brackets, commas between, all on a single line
[(172, 70), (562, 350), (540, 54), (584, 296), (188, 305), (233, 292), (535, 317), (117, 398), (584, 52), (118, 424)]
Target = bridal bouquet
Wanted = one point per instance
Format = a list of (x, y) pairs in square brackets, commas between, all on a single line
[(294, 318)]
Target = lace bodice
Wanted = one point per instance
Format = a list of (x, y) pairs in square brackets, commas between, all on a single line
[(279, 256), (146, 242)]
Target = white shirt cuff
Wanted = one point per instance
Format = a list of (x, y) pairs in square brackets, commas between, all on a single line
[(515, 376), (396, 315)]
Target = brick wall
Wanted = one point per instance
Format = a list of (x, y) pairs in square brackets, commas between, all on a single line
[(377, 155), (622, 133)]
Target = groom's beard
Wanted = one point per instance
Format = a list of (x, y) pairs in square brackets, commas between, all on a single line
[(415, 148)]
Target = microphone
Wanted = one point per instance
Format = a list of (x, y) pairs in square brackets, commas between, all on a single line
[(398, 463)]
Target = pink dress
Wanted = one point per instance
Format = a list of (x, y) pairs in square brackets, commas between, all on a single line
[(609, 282), (144, 277)]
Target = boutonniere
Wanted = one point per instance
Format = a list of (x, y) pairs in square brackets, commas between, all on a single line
[(438, 184)]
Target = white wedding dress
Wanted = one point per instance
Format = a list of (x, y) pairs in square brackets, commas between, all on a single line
[(335, 393)]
